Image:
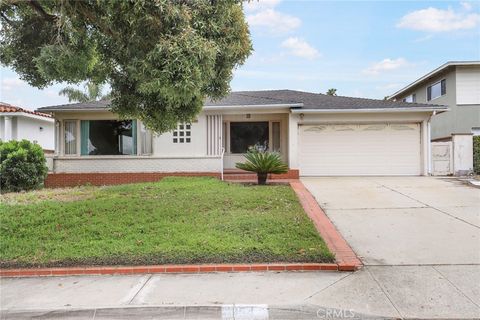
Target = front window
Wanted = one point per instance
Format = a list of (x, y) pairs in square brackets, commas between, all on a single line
[(70, 139), (247, 134), (411, 98), (108, 137), (436, 90)]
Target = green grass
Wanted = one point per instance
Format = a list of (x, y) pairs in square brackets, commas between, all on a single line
[(175, 220)]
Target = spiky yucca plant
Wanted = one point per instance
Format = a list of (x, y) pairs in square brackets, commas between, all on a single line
[(263, 163)]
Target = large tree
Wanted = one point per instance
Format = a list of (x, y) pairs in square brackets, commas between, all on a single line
[(162, 58)]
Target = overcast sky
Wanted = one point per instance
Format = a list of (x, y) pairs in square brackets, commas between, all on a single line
[(364, 49)]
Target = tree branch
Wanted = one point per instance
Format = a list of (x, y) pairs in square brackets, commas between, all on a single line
[(39, 9), (10, 22)]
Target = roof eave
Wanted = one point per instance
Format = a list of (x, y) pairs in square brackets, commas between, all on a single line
[(253, 106), (431, 74), (47, 109), (27, 115), (372, 110)]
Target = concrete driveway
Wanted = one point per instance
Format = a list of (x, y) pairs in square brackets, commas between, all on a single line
[(403, 220)]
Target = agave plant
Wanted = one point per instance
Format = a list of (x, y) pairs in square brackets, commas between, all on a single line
[(263, 163)]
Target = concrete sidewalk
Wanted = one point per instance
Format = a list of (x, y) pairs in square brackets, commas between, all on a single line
[(376, 291)]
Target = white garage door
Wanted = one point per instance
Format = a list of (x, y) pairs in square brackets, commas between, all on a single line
[(359, 149)]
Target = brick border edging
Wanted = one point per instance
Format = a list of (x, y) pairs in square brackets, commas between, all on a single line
[(203, 268), (345, 257)]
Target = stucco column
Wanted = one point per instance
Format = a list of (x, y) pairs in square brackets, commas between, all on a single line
[(8, 127), (293, 141), (57, 137), (425, 147), (462, 153)]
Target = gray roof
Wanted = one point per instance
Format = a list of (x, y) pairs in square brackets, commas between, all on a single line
[(93, 105), (295, 99), (321, 101)]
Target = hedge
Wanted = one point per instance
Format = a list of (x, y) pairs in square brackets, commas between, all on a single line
[(22, 166)]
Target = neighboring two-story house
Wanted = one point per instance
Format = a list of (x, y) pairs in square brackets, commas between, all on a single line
[(455, 84)]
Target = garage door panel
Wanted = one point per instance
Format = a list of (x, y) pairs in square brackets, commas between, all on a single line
[(354, 149)]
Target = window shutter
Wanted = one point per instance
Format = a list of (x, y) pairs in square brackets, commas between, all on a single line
[(84, 136), (429, 93), (444, 86)]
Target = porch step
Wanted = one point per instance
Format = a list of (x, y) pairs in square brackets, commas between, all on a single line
[(241, 175), (237, 174), (236, 171), (244, 176)]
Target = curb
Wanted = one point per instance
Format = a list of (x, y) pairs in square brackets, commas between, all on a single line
[(204, 268), (207, 312), (345, 257)]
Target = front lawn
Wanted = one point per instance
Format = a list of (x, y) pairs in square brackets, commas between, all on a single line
[(175, 220)]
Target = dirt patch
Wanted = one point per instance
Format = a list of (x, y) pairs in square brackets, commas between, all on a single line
[(61, 194)]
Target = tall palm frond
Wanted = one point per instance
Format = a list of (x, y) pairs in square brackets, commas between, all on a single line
[(93, 92)]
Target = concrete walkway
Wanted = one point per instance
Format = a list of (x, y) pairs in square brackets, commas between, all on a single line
[(394, 292), (419, 238)]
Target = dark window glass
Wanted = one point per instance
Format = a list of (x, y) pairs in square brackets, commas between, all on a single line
[(183, 130), (247, 134), (276, 136), (437, 90), (110, 137)]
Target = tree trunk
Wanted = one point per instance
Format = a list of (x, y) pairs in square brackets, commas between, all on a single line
[(262, 178)]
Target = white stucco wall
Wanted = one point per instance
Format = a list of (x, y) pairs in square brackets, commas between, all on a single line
[(462, 154), (468, 85), (36, 130), (2, 128), (163, 145), (136, 164), (26, 126)]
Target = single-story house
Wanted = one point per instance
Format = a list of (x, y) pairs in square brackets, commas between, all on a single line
[(17, 123), (316, 134)]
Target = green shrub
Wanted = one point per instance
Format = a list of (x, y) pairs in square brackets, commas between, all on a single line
[(476, 154), (263, 162), (22, 166)]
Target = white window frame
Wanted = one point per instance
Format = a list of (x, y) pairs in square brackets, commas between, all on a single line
[(270, 133), (77, 138), (184, 130), (441, 95), (413, 98)]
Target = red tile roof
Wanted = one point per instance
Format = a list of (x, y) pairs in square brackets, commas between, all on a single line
[(5, 107)]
